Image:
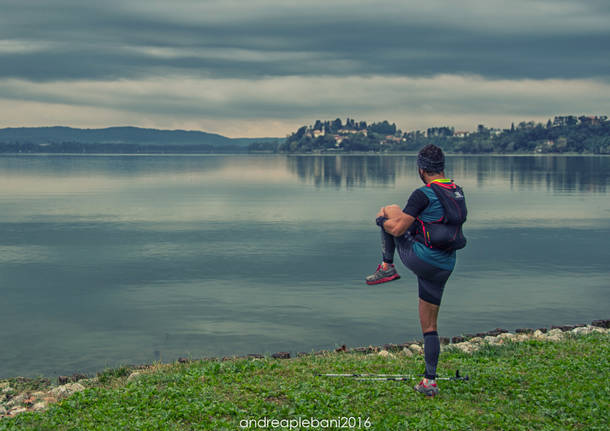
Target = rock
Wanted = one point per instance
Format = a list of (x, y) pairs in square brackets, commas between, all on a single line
[(300, 354), (17, 399), (416, 348), (601, 323), (4, 385), (543, 330), (522, 337), (491, 339), (562, 327), (475, 340), (466, 347), (407, 352), (133, 376), (16, 411), (581, 331), (183, 360), (343, 348), (524, 331), (385, 354), (598, 329), (458, 339), (444, 340), (2, 411), (506, 336), (538, 334), (62, 380), (6, 389), (38, 394), (66, 390), (554, 337), (496, 332), (281, 355), (41, 405), (77, 376), (555, 332)]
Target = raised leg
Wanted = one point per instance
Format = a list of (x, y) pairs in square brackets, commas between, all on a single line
[(388, 246)]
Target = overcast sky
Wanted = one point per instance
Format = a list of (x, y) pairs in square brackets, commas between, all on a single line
[(266, 67)]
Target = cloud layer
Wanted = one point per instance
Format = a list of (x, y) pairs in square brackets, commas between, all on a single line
[(277, 62)]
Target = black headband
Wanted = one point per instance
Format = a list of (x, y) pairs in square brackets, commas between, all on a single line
[(430, 165)]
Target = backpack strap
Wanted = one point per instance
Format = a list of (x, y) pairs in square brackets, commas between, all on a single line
[(445, 183)]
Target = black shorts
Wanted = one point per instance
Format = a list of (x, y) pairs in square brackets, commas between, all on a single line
[(431, 279)]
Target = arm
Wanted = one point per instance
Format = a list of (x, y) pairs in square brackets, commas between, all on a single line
[(398, 221), (398, 224)]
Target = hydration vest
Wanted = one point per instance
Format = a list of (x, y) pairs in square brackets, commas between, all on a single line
[(446, 232)]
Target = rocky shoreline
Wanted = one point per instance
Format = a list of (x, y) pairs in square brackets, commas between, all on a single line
[(20, 394)]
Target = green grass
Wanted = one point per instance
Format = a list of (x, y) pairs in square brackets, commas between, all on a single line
[(534, 385)]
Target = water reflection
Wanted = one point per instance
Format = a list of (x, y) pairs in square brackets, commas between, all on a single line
[(70, 173), (551, 173), (119, 165), (558, 173), (349, 171)]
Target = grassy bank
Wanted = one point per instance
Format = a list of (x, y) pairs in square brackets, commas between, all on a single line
[(533, 384)]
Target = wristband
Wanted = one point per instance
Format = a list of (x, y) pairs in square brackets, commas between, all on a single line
[(379, 221)]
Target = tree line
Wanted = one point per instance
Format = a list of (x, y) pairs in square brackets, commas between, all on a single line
[(563, 134)]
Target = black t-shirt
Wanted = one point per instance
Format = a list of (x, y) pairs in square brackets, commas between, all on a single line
[(418, 201)]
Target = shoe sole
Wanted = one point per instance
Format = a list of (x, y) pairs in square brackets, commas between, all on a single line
[(384, 280)]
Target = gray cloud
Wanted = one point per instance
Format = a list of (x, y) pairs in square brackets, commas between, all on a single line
[(264, 67), (276, 105), (520, 39)]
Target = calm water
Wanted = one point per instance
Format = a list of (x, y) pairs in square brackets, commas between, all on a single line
[(107, 260)]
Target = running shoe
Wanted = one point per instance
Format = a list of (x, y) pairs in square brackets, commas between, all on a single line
[(382, 275), (427, 387)]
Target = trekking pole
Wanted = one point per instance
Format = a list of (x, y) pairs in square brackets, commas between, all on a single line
[(393, 377), (365, 375)]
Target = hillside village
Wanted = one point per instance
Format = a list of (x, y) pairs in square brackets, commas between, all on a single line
[(561, 134)]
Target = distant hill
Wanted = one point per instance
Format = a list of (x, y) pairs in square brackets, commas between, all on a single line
[(110, 135), (118, 139)]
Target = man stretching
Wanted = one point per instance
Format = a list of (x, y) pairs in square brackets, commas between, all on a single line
[(431, 258)]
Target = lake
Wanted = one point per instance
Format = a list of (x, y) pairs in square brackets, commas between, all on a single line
[(123, 259)]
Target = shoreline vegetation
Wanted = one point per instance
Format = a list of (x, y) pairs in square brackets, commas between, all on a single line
[(526, 379), (562, 134), (569, 134)]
